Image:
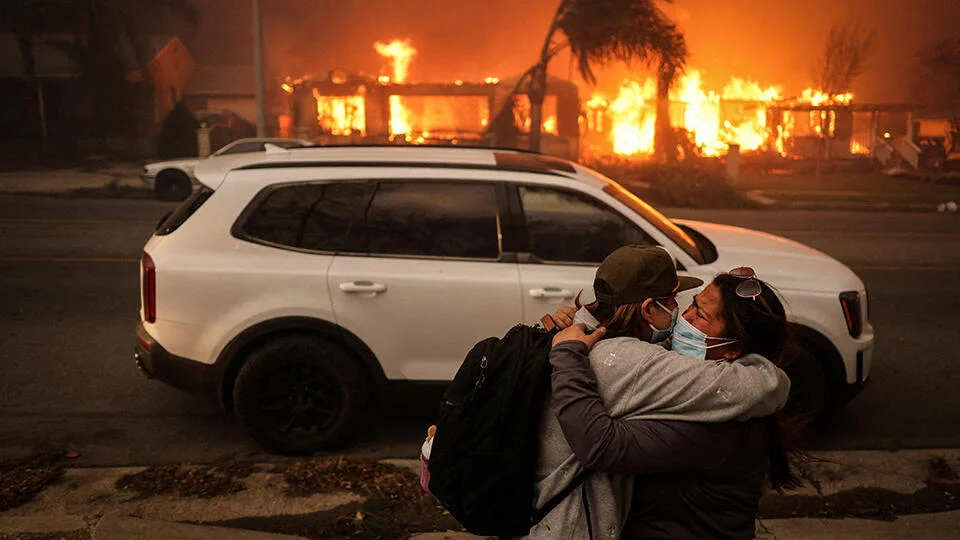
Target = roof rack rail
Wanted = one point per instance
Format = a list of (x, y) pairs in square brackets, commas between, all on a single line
[(431, 146), (401, 164)]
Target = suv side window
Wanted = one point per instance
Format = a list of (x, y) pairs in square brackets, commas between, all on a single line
[(433, 219), (564, 226), (307, 216)]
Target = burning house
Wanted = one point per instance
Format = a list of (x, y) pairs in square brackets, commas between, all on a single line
[(758, 119), (345, 107)]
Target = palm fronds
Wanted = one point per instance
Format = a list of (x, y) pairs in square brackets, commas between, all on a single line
[(601, 31)]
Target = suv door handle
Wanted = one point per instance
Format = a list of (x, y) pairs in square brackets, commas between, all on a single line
[(551, 292), (362, 287)]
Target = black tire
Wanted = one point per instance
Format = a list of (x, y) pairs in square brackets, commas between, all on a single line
[(809, 385), (298, 394), (172, 186)]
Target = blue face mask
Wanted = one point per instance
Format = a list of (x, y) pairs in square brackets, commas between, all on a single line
[(658, 334), (688, 340)]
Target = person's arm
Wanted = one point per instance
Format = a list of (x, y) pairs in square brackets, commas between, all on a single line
[(666, 385), (637, 446)]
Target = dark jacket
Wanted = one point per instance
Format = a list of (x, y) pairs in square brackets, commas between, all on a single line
[(699, 480)]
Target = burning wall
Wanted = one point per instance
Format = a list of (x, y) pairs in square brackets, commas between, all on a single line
[(743, 112), (346, 107)]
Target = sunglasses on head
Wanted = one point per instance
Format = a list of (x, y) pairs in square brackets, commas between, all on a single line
[(750, 286)]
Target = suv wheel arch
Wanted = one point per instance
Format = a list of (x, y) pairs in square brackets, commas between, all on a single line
[(231, 359)]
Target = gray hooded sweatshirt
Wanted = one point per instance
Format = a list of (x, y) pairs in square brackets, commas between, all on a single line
[(637, 379)]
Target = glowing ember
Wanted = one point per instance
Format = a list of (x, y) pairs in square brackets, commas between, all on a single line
[(817, 98)]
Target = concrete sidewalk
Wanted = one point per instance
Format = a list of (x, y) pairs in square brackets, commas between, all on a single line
[(116, 177), (87, 504)]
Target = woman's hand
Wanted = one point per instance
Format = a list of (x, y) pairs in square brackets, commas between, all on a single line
[(564, 316), (578, 332)]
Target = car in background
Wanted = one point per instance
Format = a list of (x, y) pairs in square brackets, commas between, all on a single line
[(294, 284), (173, 180)]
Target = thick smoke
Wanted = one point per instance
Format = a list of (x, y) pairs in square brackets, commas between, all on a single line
[(771, 42)]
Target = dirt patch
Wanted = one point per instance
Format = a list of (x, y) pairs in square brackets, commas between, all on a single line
[(939, 469), (396, 505), (221, 478), (21, 481)]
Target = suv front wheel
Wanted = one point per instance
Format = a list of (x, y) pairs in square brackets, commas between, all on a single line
[(298, 393)]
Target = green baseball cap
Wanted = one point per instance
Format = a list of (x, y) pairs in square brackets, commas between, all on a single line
[(633, 273)]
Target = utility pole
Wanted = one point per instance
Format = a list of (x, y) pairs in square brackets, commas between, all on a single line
[(258, 70)]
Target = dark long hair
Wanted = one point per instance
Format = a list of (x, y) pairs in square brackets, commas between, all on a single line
[(760, 327)]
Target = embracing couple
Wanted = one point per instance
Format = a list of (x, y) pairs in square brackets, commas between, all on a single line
[(672, 412)]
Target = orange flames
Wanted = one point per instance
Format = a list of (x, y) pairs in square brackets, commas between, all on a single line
[(697, 111), (341, 115), (738, 114), (400, 53)]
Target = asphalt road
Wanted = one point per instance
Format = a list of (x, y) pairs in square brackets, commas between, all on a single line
[(69, 298)]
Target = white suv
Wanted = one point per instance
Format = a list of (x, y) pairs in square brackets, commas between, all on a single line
[(294, 283)]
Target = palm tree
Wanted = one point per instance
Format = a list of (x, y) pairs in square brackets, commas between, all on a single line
[(598, 32)]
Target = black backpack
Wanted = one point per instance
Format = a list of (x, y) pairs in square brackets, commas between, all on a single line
[(484, 456)]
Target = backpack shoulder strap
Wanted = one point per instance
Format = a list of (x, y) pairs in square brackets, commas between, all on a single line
[(540, 513)]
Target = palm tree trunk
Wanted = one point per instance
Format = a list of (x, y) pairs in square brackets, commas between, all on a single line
[(537, 94), (664, 138), (538, 80)]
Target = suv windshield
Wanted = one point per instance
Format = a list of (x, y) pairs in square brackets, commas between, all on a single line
[(658, 220)]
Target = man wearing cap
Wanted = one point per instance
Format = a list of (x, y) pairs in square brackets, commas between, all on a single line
[(635, 287), (638, 277)]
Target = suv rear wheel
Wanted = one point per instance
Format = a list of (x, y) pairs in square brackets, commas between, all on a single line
[(298, 394)]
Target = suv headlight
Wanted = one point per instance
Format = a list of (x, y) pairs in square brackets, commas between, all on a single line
[(850, 303)]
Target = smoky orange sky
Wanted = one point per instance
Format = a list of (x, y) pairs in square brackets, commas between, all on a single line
[(773, 42)]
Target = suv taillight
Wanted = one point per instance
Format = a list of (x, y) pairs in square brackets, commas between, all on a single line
[(850, 302), (149, 288)]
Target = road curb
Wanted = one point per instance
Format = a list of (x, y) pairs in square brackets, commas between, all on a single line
[(129, 528)]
